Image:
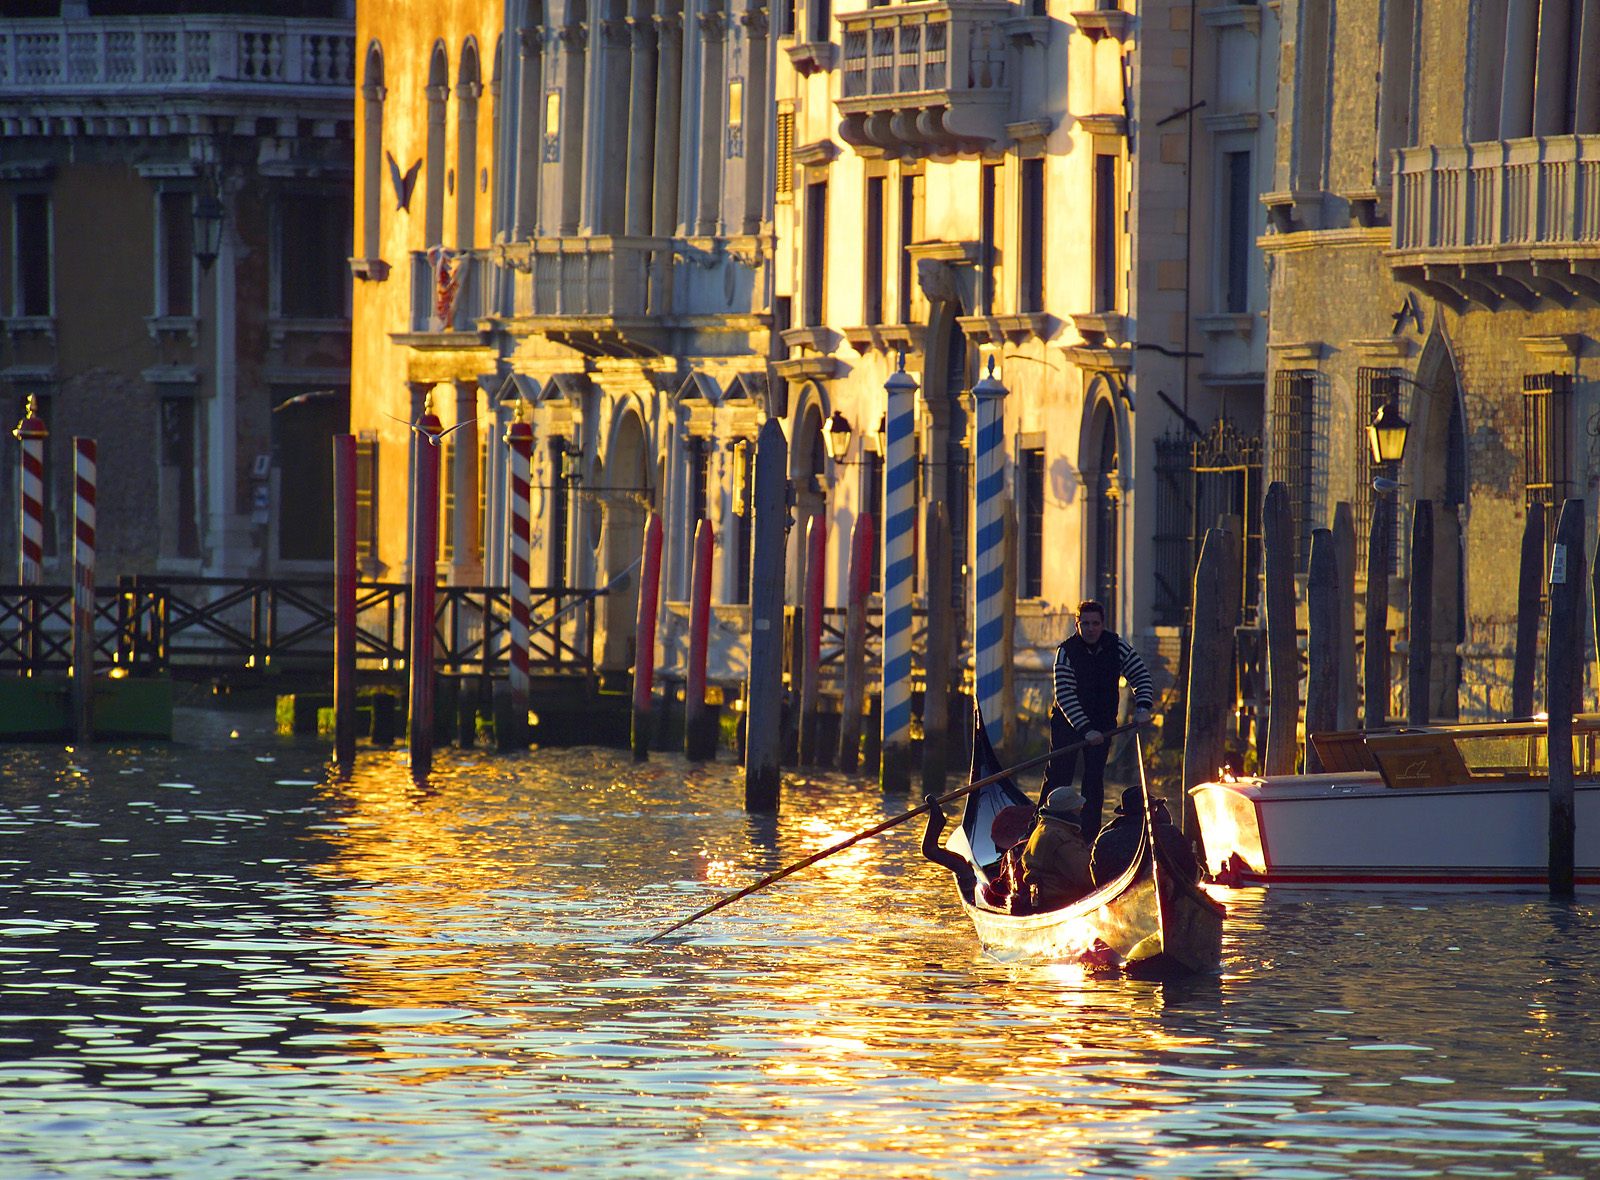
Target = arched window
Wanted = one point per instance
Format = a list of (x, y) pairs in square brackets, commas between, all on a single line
[(468, 88), (372, 95), (1106, 507), (438, 93)]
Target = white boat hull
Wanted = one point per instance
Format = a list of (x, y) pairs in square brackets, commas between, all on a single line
[(1353, 830)]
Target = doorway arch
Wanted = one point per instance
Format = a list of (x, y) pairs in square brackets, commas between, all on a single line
[(1101, 464), (1438, 473), (627, 496)]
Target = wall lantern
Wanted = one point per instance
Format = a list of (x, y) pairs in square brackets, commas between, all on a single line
[(1387, 434), (208, 218), (836, 433)]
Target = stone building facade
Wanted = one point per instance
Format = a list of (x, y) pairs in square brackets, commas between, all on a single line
[(209, 356), (1432, 244)]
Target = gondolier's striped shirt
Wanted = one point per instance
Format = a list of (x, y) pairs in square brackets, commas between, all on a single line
[(1133, 671)]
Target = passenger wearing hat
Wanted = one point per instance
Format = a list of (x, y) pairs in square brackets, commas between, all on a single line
[(1006, 889), (1118, 842), (1055, 863)]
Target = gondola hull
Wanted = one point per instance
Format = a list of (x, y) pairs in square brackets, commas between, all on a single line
[(1149, 922)]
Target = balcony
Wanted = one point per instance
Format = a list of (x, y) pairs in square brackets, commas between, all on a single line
[(452, 298), (1512, 221), (927, 79), (605, 296), (175, 56)]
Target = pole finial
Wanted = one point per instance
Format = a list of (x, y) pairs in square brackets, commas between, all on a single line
[(900, 366)]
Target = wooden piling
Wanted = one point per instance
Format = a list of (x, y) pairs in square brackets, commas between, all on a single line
[(85, 480), (853, 703), (764, 693), (1322, 641), (1283, 661), (810, 666), (424, 565), (936, 673), (344, 600), (1214, 612), (1530, 610), (1344, 551), (1375, 625), (644, 639), (699, 723), (1419, 617), (1563, 656)]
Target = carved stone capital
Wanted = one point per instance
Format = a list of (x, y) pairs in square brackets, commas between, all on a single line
[(574, 37), (438, 94), (668, 27), (530, 41), (614, 33), (713, 25), (754, 21), (643, 31), (471, 91)]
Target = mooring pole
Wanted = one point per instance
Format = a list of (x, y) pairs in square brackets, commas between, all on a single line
[(1283, 661), (1344, 551), (1375, 655), (344, 599), (424, 579), (699, 729), (988, 518), (1419, 621), (811, 651), (1530, 609), (853, 704), (764, 693), (1323, 642), (84, 479), (936, 673), (519, 478), (1563, 663), (644, 639), (1213, 615), (32, 434), (899, 564)]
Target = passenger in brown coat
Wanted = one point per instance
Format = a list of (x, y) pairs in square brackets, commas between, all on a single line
[(1055, 863)]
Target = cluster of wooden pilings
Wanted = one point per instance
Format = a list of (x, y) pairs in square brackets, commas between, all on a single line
[(1330, 666)]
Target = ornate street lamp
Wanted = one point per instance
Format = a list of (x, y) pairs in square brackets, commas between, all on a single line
[(1387, 434), (208, 218), (836, 433)]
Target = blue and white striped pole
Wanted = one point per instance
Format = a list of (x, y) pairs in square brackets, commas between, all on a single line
[(989, 521), (899, 562)]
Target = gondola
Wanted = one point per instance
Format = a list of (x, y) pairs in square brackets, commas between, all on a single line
[(1151, 922)]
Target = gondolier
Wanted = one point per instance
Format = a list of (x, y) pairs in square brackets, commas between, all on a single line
[(1088, 669)]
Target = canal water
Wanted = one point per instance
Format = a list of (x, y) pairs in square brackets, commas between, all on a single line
[(218, 960)]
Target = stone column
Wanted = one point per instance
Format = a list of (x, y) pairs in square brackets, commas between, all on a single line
[(466, 559), (641, 126), (1586, 119), (611, 89), (433, 214), (562, 153), (530, 131), (756, 119), (1550, 77), (1516, 74), (467, 166), (713, 84), (669, 101)]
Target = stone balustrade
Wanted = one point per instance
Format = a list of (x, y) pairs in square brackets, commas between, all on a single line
[(129, 55), (927, 78), (1510, 220)]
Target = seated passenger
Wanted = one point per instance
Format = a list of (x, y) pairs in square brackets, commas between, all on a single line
[(959, 866), (1118, 842), (1173, 844), (1055, 863), (1009, 832)]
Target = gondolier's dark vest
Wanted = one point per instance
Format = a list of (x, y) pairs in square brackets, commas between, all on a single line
[(1097, 673)]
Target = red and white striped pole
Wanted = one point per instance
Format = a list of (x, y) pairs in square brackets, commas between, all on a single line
[(699, 735), (644, 645), (816, 576), (83, 479), (31, 433), (424, 579), (519, 437)]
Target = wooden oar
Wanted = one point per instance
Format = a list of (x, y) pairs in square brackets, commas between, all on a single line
[(771, 878)]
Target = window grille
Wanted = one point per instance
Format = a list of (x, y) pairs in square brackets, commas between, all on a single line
[(1294, 454), (784, 156), (1032, 472), (1174, 547), (367, 503), (1546, 448)]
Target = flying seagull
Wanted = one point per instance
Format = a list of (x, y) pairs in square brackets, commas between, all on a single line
[(1385, 487), (403, 185), (432, 436)]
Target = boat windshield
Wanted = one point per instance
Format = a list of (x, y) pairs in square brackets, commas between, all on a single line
[(1441, 758)]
